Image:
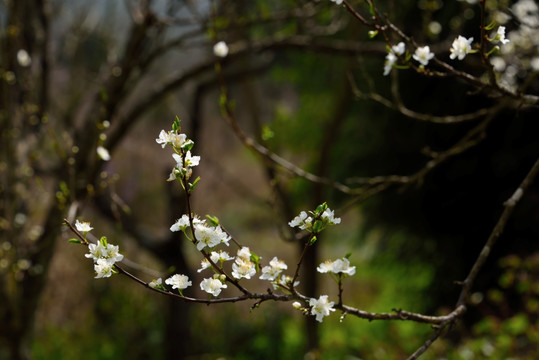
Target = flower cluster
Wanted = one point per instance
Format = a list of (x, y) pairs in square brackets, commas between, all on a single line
[(206, 234), (274, 269), (182, 147), (320, 218), (392, 56), (339, 266), (210, 236), (215, 256), (243, 266), (105, 255)]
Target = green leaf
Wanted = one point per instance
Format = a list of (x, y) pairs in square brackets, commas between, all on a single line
[(194, 184), (312, 241), (318, 226), (347, 256), (176, 124), (188, 146), (214, 221), (321, 208), (371, 9), (256, 259), (103, 241), (491, 26), (75, 241), (267, 133)]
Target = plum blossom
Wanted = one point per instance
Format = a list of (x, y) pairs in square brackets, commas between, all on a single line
[(338, 266), (274, 269), (329, 217), (104, 251), (220, 49), (103, 268), (321, 307), (178, 281), (300, 220), (189, 160), (210, 236), (156, 283), (216, 257), (392, 56), (337, 2), (103, 153), (500, 35), (204, 264), (212, 286), (423, 55), (460, 47), (243, 268), (220, 256), (23, 58), (83, 227), (183, 223), (244, 253), (176, 140)]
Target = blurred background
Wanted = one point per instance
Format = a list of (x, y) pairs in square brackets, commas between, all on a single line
[(306, 81)]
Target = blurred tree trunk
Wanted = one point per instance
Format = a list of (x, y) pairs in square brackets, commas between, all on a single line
[(24, 102)]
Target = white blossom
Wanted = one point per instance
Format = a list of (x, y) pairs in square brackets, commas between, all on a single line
[(104, 251), (204, 264), (399, 49), (83, 226), (321, 307), (391, 56), (156, 283), (208, 236), (460, 47), (328, 216), (220, 256), (220, 49), (500, 35), (244, 253), (338, 266), (423, 55), (178, 281), (103, 153), (338, 2), (23, 58), (243, 268), (103, 268), (111, 254), (212, 286), (274, 269), (298, 220), (183, 223)]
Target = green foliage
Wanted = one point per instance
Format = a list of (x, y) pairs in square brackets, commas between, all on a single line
[(122, 323), (511, 328)]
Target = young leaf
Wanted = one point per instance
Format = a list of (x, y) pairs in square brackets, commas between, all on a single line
[(214, 221), (103, 241)]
